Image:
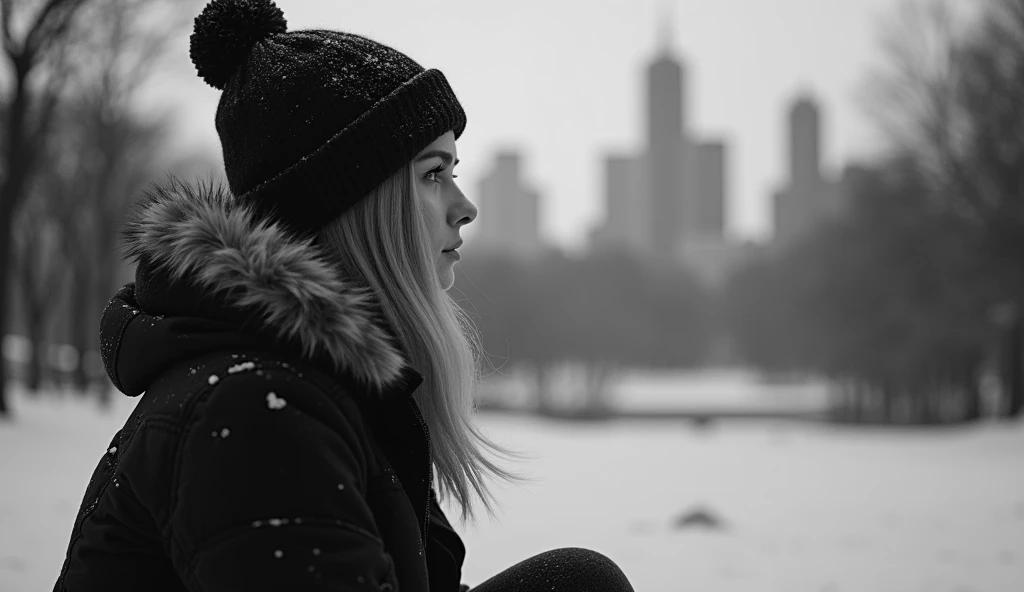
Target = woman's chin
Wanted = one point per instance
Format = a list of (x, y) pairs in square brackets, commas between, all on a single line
[(446, 275)]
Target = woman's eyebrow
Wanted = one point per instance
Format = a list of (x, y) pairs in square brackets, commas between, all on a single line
[(443, 155)]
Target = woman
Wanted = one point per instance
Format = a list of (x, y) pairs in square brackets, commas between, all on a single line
[(302, 369)]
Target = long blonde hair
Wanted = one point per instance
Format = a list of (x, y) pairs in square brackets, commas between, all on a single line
[(383, 241)]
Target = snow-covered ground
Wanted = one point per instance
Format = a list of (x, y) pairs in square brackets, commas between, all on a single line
[(719, 389), (806, 507)]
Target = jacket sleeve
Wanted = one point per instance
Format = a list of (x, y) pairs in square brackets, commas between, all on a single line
[(270, 493)]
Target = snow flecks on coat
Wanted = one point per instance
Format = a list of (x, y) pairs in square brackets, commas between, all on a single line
[(213, 379), (275, 402), (274, 522), (241, 367)]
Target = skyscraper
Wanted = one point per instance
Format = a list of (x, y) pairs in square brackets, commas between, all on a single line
[(804, 130), (669, 201), (509, 218), (808, 197), (627, 213), (665, 151), (709, 189)]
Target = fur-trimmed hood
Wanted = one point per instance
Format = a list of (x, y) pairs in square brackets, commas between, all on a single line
[(204, 257)]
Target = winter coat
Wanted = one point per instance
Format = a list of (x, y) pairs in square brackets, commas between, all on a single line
[(276, 444)]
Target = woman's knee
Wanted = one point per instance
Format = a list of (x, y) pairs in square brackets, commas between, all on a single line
[(589, 566)]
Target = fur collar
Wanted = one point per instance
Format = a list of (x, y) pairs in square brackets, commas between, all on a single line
[(198, 232)]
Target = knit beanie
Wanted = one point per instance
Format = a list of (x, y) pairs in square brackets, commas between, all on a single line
[(311, 121)]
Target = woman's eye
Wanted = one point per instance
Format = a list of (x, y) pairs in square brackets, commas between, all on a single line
[(432, 175)]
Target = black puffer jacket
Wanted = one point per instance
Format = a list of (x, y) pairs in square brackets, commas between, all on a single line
[(276, 445)]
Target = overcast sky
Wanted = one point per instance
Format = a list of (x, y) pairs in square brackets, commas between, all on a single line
[(562, 80)]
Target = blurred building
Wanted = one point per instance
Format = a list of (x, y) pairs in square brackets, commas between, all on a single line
[(666, 153), (509, 219), (808, 197), (628, 210), (669, 201), (709, 191)]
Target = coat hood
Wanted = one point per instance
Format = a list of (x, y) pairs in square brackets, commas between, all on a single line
[(211, 275)]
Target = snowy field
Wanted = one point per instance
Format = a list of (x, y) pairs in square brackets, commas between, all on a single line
[(806, 508)]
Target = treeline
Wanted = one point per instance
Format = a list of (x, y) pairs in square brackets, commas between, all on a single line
[(911, 297), (602, 312), (74, 150)]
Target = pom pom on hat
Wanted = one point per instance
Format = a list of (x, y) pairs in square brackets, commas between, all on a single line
[(225, 32)]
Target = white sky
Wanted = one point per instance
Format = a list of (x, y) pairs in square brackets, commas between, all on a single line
[(562, 80)]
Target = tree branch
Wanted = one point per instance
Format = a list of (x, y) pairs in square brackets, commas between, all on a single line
[(10, 47), (51, 24)]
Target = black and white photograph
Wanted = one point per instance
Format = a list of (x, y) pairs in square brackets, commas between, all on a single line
[(534, 296)]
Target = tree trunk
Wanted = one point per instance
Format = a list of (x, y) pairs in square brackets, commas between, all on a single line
[(545, 405), (81, 325), (38, 364), (18, 155), (931, 391), (1012, 371), (598, 374), (971, 391), (5, 285)]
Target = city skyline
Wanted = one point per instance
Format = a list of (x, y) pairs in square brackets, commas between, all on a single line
[(562, 99), (671, 194)]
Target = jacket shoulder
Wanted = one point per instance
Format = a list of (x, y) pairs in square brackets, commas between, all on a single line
[(198, 383), (223, 394)]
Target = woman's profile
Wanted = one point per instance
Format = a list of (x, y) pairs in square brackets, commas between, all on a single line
[(305, 382)]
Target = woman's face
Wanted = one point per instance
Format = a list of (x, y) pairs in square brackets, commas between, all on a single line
[(445, 207)]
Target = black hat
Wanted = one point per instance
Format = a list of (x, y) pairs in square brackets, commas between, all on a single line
[(311, 121)]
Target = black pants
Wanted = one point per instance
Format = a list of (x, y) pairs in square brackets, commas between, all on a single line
[(560, 570)]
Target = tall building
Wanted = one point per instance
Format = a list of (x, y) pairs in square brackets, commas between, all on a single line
[(669, 201), (509, 218), (666, 152), (808, 197), (627, 212), (709, 192), (804, 138)]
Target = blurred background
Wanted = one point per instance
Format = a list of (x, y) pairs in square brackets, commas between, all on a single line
[(749, 275)]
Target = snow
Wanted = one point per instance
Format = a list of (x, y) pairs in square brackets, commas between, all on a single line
[(805, 507), (241, 367), (275, 402), (722, 389)]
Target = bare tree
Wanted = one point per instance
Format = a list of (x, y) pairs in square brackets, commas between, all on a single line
[(952, 95), (41, 271), (39, 49), (116, 148), (98, 53)]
